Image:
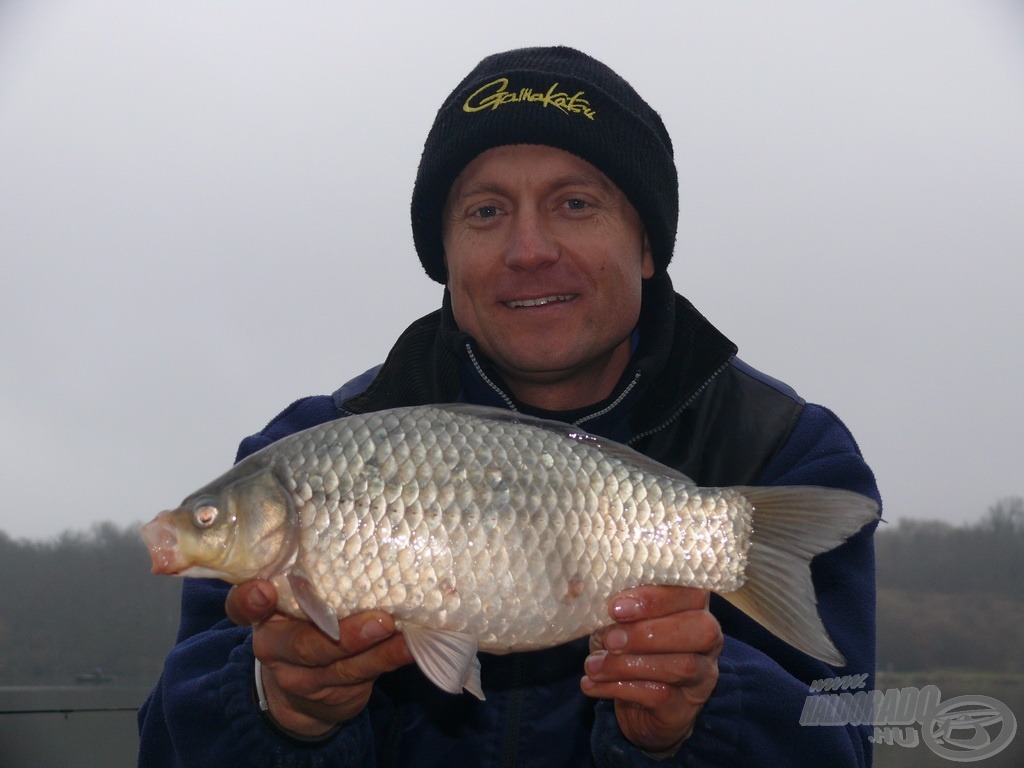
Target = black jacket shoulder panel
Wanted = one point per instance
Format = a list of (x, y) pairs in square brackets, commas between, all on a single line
[(731, 429), (780, 386), (419, 369)]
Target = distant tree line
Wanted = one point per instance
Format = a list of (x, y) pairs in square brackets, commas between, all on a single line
[(953, 596), (930, 556), (81, 603), (949, 597)]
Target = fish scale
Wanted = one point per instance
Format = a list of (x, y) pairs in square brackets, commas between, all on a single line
[(479, 528)]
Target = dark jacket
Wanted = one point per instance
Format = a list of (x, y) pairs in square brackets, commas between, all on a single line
[(685, 400)]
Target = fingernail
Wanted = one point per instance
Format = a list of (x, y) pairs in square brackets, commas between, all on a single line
[(374, 630), (594, 662), (626, 608), (258, 599), (615, 639)]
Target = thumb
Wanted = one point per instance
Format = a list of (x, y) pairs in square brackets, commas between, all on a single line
[(251, 602)]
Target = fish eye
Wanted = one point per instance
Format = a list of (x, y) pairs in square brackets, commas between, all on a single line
[(205, 516)]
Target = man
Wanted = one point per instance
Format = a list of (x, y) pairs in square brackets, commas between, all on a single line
[(546, 202)]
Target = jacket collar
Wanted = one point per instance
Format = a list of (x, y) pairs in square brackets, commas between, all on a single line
[(678, 352)]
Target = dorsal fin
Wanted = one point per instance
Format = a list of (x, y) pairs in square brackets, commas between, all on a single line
[(610, 448)]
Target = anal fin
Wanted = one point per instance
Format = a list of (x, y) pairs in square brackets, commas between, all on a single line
[(447, 658)]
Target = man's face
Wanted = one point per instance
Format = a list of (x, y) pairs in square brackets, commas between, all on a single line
[(545, 259)]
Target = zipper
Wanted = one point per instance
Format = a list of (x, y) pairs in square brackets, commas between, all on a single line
[(514, 713), (686, 404), (486, 378), (512, 406), (612, 405)]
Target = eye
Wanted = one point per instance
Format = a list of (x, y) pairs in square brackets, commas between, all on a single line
[(205, 516), (577, 205), (486, 212)]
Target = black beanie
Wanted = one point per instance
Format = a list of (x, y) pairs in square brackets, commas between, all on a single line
[(561, 98)]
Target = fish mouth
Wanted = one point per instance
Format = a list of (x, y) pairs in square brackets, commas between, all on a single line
[(540, 301), (162, 541)]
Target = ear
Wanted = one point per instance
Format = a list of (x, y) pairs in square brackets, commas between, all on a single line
[(646, 259)]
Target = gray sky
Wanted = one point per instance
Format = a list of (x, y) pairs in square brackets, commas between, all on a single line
[(204, 215)]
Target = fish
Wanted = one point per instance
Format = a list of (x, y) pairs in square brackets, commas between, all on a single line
[(482, 529)]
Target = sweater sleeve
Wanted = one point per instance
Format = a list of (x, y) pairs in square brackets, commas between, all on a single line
[(203, 710), (753, 716)]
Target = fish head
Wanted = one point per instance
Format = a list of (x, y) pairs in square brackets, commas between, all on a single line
[(237, 531)]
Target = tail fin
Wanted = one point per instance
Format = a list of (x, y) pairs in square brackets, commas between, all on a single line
[(792, 524)]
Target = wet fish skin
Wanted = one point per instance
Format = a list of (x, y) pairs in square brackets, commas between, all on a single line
[(481, 528)]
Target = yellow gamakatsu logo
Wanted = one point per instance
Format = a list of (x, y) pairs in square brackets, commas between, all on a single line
[(496, 94)]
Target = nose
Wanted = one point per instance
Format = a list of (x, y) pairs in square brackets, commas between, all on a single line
[(532, 245)]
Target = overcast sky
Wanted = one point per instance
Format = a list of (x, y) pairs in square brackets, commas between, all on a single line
[(204, 215)]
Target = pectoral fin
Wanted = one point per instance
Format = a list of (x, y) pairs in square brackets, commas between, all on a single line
[(318, 611), (447, 658)]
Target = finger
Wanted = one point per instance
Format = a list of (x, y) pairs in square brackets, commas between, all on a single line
[(251, 602), (679, 669), (652, 601), (324, 683), (386, 656), (644, 693), (673, 705), (300, 643), (695, 631)]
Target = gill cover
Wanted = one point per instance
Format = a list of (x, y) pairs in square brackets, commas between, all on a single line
[(247, 529)]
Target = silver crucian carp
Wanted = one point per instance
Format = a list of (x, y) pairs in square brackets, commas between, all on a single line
[(483, 529)]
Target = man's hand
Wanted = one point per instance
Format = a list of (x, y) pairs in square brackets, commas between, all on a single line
[(311, 682), (658, 661)]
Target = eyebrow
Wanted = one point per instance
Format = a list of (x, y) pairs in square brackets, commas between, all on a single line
[(583, 179), (568, 180)]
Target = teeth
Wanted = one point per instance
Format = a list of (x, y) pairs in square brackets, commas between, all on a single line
[(540, 302)]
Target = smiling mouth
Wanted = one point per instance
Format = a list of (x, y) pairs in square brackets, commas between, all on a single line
[(541, 301)]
